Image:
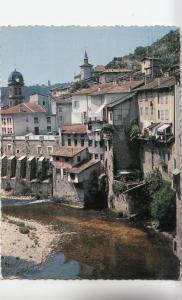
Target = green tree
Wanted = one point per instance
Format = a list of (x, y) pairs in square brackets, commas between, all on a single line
[(163, 207)]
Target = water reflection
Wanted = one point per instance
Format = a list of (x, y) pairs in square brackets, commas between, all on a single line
[(98, 246)]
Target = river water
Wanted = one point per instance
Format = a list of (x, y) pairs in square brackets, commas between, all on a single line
[(99, 245)]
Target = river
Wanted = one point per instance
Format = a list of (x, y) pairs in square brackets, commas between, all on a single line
[(100, 246)]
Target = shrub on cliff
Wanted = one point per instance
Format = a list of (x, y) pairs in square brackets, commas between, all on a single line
[(163, 207), (24, 230)]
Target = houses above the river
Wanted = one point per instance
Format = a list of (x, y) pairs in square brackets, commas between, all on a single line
[(73, 116)]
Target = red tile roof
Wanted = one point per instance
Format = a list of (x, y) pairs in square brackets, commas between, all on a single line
[(28, 107), (158, 83), (84, 166), (110, 88), (74, 128), (60, 164), (68, 151)]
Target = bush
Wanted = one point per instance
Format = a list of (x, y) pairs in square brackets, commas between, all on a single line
[(163, 207), (118, 187), (24, 230), (134, 132), (153, 182), (108, 128)]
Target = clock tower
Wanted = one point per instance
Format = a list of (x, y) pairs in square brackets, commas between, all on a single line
[(15, 88)]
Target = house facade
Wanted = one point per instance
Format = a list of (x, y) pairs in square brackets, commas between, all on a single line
[(24, 118), (156, 103), (72, 171)]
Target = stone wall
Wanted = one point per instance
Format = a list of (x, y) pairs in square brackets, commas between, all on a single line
[(26, 174), (121, 150), (33, 145), (158, 156), (68, 192)]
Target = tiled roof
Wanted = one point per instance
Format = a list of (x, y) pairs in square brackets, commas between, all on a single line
[(121, 100), (84, 166), (61, 100), (90, 90), (158, 83), (28, 107), (60, 164), (68, 151), (111, 88), (99, 68), (116, 71), (74, 128)]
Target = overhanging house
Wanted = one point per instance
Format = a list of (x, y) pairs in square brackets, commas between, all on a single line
[(72, 173), (156, 103)]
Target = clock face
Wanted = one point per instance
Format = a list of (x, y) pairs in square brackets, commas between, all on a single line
[(17, 79)]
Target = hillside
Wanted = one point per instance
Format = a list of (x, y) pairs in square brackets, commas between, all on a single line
[(167, 49)]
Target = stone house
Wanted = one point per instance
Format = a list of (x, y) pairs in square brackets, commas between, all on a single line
[(88, 104), (121, 114), (110, 75), (177, 173), (72, 170), (64, 110), (151, 67), (156, 103), (89, 135), (45, 102), (24, 118)]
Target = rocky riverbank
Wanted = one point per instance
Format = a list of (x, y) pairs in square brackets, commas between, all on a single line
[(25, 243)]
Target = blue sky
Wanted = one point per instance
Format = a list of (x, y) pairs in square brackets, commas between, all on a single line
[(54, 53)]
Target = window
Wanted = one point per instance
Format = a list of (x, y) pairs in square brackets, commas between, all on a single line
[(26, 119), (78, 158), (158, 114), (96, 143), (43, 103), (110, 116), (19, 91), (72, 176), (48, 128), (60, 108), (84, 115), (82, 143), (36, 120), (60, 118), (75, 142), (101, 156), (64, 172), (27, 129), (58, 171), (16, 91), (49, 149), (166, 114), (39, 150), (90, 143), (69, 142), (76, 104), (48, 119), (162, 112), (96, 156), (9, 147), (57, 158), (17, 151)]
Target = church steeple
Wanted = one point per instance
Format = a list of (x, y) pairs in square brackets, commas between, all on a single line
[(86, 58)]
